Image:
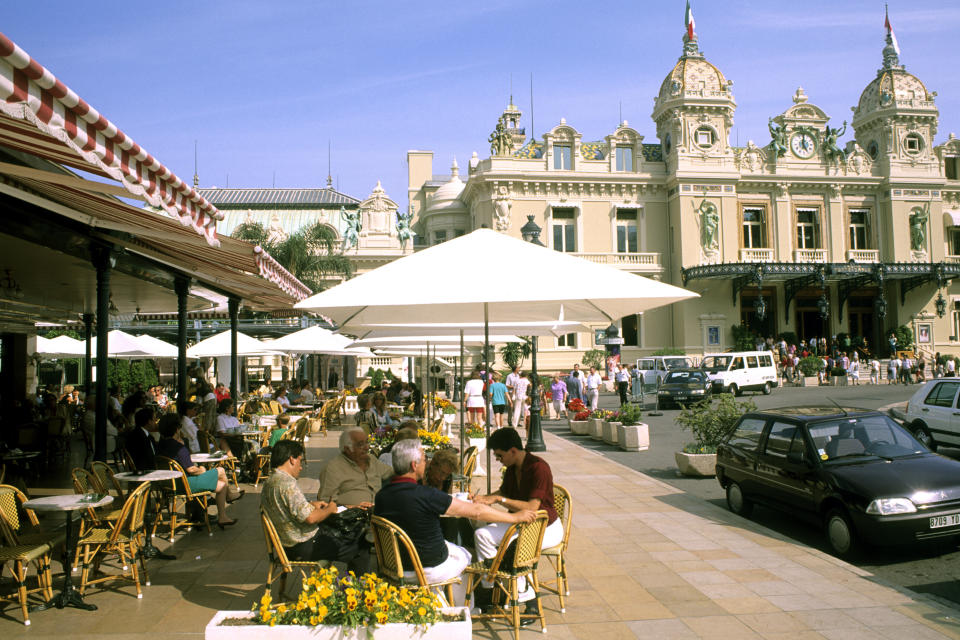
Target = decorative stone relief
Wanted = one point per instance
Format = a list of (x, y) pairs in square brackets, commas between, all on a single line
[(502, 206)]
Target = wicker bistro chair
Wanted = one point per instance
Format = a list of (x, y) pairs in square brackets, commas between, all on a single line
[(108, 483), (468, 465), (556, 555), (275, 407), (87, 482), (122, 541), (505, 572), (329, 414), (387, 539), (280, 564), (20, 548), (179, 493)]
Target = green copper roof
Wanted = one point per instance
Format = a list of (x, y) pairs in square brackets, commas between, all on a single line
[(275, 198)]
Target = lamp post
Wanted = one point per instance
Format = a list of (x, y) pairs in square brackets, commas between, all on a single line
[(531, 233), (941, 305)]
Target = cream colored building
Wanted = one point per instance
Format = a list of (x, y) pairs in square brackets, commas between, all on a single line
[(773, 236)]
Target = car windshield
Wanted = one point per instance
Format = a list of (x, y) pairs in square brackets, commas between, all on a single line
[(863, 436), (715, 363), (685, 377), (677, 363)]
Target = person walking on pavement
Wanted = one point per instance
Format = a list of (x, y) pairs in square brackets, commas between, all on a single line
[(558, 390), (623, 383), (574, 386), (511, 383), (593, 388), (519, 397), (636, 379)]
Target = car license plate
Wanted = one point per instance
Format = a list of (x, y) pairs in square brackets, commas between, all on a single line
[(949, 520), (679, 397)]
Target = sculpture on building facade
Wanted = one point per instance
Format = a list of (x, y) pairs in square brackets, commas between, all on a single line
[(404, 231), (351, 233), (502, 206), (918, 229), (778, 138), (831, 150), (501, 143), (709, 225)]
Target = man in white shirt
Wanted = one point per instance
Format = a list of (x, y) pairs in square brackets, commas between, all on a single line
[(623, 383), (519, 397), (306, 395), (593, 388), (511, 383), (951, 367)]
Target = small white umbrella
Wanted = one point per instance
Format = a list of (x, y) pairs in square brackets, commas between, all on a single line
[(218, 346), (122, 345), (60, 347), (158, 347), (317, 340)]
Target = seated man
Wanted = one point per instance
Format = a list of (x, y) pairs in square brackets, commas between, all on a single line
[(139, 441), (417, 509), (527, 484), (294, 518), (354, 477)]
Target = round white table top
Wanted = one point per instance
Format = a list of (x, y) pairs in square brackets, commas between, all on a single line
[(20, 455), (158, 474), (207, 457), (71, 502)]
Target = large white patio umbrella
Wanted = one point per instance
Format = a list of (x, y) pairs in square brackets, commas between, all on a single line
[(123, 345), (60, 347), (555, 328), (317, 340), (453, 286), (218, 346), (158, 347)]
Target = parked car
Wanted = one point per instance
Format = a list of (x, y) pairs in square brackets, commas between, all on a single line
[(933, 413), (653, 369), (856, 473), (740, 371), (683, 386)]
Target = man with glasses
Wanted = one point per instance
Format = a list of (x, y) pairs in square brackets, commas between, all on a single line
[(353, 477), (416, 509), (292, 515), (527, 485)]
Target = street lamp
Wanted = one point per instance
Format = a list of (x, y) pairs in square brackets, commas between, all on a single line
[(881, 307), (760, 306), (531, 233), (941, 305), (823, 305)]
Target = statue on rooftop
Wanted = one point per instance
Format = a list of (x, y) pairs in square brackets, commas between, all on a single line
[(500, 140), (404, 231), (778, 141), (918, 229), (831, 149), (351, 234)]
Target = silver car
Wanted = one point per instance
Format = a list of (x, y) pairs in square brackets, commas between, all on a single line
[(933, 413)]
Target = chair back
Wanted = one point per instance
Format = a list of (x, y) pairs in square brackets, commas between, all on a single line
[(125, 521), (469, 464), (301, 429), (55, 427), (203, 440), (128, 462), (12, 510), (274, 549), (139, 496), (275, 407), (85, 482), (526, 554), (387, 538), (564, 506), (104, 475), (179, 485), (437, 424)]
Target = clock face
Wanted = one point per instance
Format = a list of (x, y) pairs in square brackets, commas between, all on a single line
[(803, 145)]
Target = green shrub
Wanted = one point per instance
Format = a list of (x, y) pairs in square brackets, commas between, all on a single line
[(904, 337), (630, 414), (710, 421), (743, 339), (810, 366), (669, 351), (594, 358)]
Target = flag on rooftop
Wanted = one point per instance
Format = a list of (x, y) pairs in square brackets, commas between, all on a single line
[(891, 37), (688, 20)]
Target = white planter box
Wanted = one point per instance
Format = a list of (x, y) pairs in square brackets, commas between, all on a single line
[(634, 437), (460, 630), (696, 464), (579, 427), (596, 428), (809, 381), (610, 432), (481, 445)]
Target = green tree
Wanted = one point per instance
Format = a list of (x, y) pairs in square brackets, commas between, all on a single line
[(311, 254), (594, 358), (904, 337), (513, 353)]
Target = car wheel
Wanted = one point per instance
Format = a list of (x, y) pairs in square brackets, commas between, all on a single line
[(737, 502), (840, 534), (735, 390), (767, 388), (922, 433)]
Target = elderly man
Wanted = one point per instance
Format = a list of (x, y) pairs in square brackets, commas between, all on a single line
[(416, 509), (294, 518), (527, 485), (353, 477), (593, 389)]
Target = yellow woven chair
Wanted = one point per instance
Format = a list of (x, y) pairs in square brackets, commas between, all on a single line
[(21, 548), (556, 555), (505, 572), (104, 474), (387, 538), (275, 407), (128, 463), (280, 564), (122, 541), (179, 494), (329, 414), (468, 465), (86, 482)]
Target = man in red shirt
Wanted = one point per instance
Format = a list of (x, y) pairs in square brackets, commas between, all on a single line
[(527, 484)]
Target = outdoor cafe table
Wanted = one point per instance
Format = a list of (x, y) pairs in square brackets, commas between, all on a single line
[(68, 596), (207, 458), (300, 407), (158, 475), (20, 459)]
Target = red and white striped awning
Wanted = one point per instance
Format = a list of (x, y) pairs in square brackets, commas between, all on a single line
[(275, 273), (32, 99)]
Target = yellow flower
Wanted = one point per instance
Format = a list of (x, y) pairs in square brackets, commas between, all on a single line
[(281, 609), (381, 617), (266, 599), (321, 612), (325, 591), (351, 603), (421, 611)]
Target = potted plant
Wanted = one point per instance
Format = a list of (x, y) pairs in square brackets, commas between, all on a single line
[(709, 423), (839, 376), (477, 437), (610, 425), (632, 435), (579, 414), (596, 423), (810, 368), (345, 608)]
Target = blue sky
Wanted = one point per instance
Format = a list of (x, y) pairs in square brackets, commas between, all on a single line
[(263, 86)]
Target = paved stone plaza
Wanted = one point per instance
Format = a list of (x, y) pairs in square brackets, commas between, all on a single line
[(645, 559)]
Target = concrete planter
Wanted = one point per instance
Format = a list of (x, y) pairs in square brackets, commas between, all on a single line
[(809, 381), (460, 630), (596, 428), (481, 445), (610, 432), (839, 381), (579, 427), (633, 437), (696, 464)]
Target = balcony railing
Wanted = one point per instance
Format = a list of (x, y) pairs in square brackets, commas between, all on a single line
[(863, 255), (646, 262), (756, 255), (809, 255), (951, 259)]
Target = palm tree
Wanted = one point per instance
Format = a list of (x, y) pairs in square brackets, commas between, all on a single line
[(311, 254)]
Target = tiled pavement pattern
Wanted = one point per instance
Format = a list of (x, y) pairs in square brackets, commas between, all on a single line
[(645, 560)]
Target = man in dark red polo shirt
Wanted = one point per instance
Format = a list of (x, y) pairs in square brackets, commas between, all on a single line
[(527, 484)]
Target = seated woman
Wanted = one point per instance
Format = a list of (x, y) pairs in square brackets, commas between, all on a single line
[(364, 417), (380, 413), (171, 445), (188, 428), (281, 398)]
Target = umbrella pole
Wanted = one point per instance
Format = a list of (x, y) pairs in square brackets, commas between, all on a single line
[(459, 381), (486, 373)]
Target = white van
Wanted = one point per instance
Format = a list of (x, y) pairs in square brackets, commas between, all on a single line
[(741, 371), (654, 369)]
